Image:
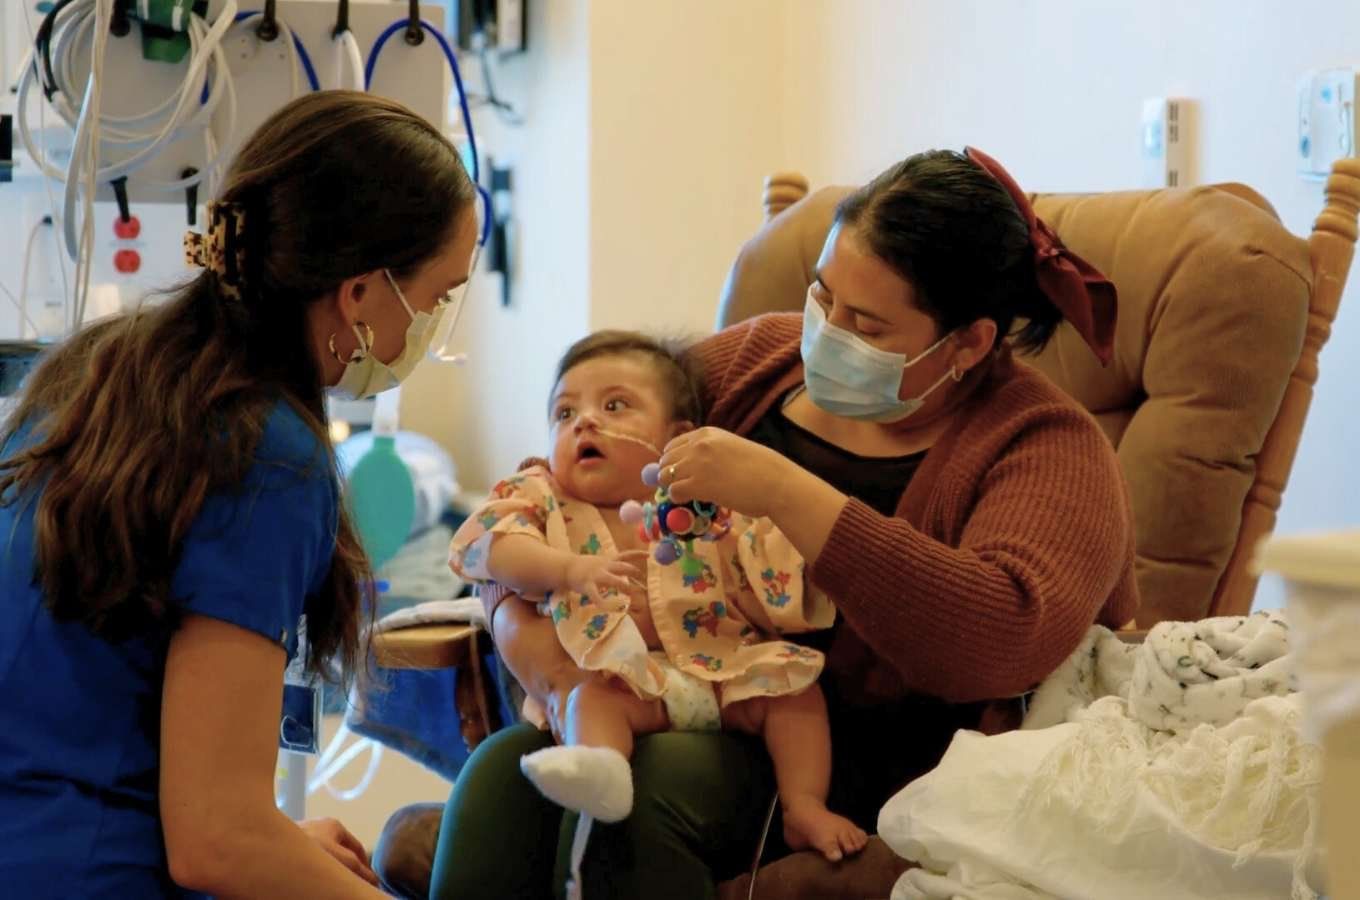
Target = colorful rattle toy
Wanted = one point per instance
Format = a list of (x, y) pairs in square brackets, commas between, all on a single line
[(672, 524)]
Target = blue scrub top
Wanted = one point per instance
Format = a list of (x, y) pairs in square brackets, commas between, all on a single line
[(80, 716)]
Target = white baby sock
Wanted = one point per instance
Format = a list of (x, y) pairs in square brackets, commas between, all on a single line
[(597, 781)]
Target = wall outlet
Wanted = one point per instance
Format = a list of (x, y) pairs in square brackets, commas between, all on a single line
[(1167, 130), (1327, 124)]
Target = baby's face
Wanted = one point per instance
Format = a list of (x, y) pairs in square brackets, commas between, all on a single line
[(620, 394)]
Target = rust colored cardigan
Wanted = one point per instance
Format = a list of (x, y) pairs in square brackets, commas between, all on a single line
[(1012, 539)]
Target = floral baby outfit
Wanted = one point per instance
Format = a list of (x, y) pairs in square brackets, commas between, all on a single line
[(718, 610)]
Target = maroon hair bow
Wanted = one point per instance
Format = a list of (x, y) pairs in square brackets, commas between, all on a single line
[(1086, 297)]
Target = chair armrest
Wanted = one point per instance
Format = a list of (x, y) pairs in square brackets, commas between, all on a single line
[(445, 647), (424, 646)]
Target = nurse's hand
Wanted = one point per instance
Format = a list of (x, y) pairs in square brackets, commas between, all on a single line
[(717, 466), (336, 840)]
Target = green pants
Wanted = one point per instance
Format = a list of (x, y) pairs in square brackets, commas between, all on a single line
[(700, 803)]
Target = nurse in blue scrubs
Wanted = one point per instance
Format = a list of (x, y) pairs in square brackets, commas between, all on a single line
[(170, 514)]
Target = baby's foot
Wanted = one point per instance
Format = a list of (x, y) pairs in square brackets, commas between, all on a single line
[(597, 781), (809, 825)]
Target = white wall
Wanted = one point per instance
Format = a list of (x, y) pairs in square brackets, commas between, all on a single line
[(1054, 88), (686, 117)]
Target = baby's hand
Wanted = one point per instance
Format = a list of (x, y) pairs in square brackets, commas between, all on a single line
[(593, 575)]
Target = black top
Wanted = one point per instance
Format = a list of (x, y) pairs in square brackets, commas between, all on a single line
[(876, 480)]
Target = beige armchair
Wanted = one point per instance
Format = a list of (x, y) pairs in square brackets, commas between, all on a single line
[(1222, 315)]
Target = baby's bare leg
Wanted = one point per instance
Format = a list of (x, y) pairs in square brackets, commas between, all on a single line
[(591, 773), (798, 736), (604, 713)]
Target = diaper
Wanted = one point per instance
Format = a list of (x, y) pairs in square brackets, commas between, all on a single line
[(691, 702)]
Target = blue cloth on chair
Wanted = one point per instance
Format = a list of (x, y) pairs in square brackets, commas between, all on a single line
[(414, 712)]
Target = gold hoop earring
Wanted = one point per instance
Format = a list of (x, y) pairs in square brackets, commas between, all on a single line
[(364, 333), (956, 374)]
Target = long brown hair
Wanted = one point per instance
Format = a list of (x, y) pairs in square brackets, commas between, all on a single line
[(139, 418)]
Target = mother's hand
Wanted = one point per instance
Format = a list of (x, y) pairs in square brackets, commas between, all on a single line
[(717, 466)]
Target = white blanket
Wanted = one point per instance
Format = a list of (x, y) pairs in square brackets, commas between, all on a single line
[(1185, 674), (1171, 769)]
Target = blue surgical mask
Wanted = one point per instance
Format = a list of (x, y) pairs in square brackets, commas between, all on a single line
[(848, 377)]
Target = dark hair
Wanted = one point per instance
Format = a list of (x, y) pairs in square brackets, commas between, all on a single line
[(143, 416), (676, 367), (951, 230)]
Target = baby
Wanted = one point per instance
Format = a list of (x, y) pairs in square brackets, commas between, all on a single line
[(688, 646)]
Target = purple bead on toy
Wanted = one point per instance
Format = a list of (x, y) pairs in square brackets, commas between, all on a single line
[(632, 512), (666, 552), (651, 474)]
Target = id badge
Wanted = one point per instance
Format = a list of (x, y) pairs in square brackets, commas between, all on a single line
[(300, 724)]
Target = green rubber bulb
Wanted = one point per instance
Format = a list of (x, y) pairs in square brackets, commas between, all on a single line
[(382, 495)]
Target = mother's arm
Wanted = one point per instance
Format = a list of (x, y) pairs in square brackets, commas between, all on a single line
[(1047, 542), (533, 653)]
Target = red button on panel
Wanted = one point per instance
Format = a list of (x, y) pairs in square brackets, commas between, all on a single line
[(127, 230), (127, 261)]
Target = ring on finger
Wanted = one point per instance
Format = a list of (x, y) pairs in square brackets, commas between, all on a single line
[(670, 473)]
